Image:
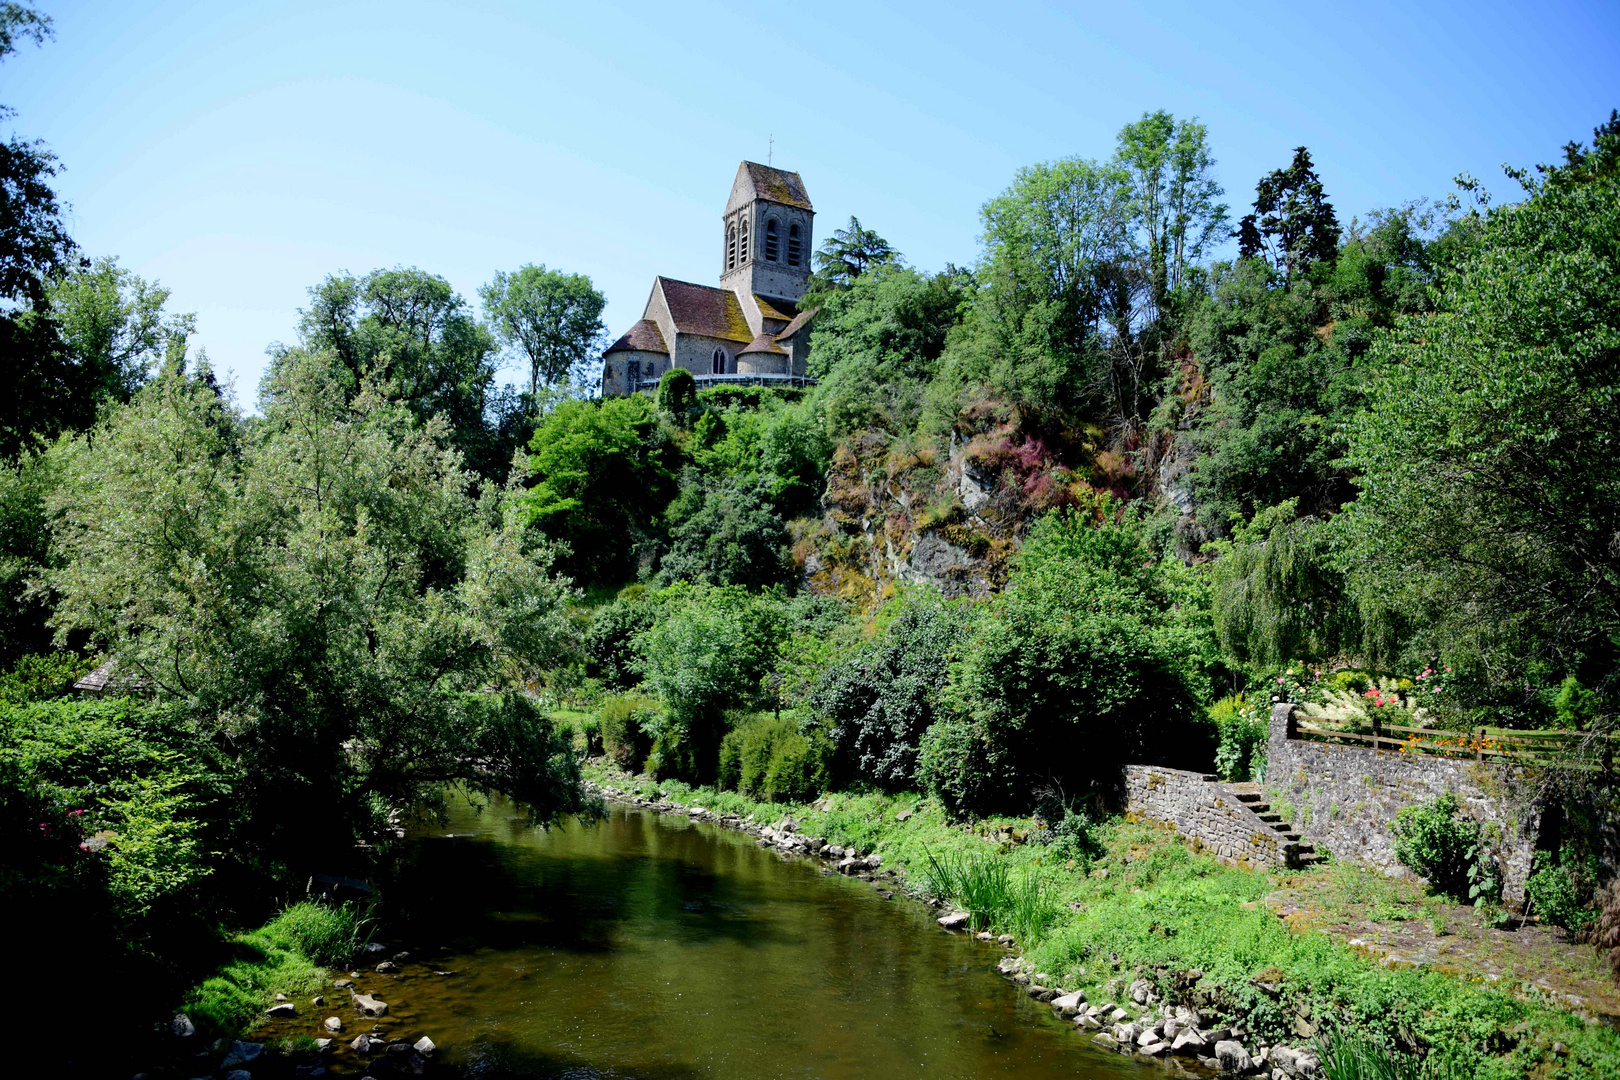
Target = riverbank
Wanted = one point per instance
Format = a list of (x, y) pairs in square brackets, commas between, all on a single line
[(1126, 911)]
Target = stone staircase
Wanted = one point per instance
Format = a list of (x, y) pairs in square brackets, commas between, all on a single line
[(1300, 854)]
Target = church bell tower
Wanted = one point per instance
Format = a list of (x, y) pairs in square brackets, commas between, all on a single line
[(767, 235)]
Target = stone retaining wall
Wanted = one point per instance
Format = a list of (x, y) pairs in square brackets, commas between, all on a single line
[(1345, 798), (1206, 812)]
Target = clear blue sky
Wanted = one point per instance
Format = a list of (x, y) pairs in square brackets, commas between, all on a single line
[(240, 151)]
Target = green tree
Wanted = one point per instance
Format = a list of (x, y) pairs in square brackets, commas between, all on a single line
[(1484, 510), (113, 324), (1293, 224), (553, 318), (320, 593), (677, 395), (600, 474), (34, 241), (1174, 194), (410, 336), (706, 654), (847, 254), (1096, 654), (726, 534)]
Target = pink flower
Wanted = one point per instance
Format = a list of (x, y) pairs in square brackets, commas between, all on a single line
[(1279, 680)]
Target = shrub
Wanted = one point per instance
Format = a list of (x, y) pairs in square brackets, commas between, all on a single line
[(591, 728), (41, 677), (1438, 842), (1239, 734), (769, 758), (624, 723), (1097, 653), (878, 701), (1560, 887)]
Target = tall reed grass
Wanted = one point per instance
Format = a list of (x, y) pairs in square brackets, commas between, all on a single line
[(992, 895)]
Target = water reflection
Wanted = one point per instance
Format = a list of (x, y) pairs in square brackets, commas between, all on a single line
[(656, 948)]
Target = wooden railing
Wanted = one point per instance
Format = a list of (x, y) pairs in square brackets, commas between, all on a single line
[(1579, 749)]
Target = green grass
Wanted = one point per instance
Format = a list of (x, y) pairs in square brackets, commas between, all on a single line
[(985, 886), (287, 955), (1147, 906)]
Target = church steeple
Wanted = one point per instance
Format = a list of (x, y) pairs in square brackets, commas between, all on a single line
[(767, 235)]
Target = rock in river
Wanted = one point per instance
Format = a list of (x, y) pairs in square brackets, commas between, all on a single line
[(281, 1010), (370, 1006), (956, 920), (334, 1023)]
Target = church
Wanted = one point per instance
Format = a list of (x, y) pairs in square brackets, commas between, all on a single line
[(749, 329)]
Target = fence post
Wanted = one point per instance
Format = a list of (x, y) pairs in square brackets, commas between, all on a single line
[(1378, 734), (1479, 746)]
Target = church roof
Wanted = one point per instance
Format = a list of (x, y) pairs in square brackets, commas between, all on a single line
[(774, 309), (756, 181), (642, 337), (705, 310), (763, 344), (797, 324)]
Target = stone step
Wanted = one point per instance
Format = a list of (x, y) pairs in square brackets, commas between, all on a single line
[(1248, 796), (1287, 831), (1270, 817)]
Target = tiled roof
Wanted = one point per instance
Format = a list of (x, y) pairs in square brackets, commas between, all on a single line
[(774, 309), (777, 185), (763, 344), (703, 309), (642, 337), (797, 324)]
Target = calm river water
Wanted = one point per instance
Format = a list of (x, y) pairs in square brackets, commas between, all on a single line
[(655, 947)]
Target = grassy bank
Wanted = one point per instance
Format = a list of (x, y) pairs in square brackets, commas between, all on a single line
[(290, 954), (1121, 900)]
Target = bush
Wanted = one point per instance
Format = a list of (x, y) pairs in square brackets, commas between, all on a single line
[(591, 728), (1239, 733), (769, 758), (1097, 653), (1560, 887), (624, 723), (41, 677), (878, 701), (1444, 846)]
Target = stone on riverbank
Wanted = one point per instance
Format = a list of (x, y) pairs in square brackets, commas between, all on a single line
[(182, 1026), (1233, 1057), (1189, 1042), (333, 1023), (955, 920), (387, 967), (281, 1010), (242, 1053)]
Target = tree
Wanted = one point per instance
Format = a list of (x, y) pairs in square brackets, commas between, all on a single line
[(34, 242), (1293, 224), (113, 325), (600, 475), (321, 594), (1174, 194), (411, 337), (1485, 508), (847, 254), (1096, 654), (726, 534), (553, 318)]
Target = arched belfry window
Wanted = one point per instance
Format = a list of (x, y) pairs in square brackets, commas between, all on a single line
[(795, 246), (717, 363), (731, 248), (742, 242), (770, 240)]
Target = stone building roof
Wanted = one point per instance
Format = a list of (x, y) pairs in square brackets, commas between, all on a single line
[(642, 337), (705, 310), (774, 309), (797, 324), (775, 185), (765, 343)]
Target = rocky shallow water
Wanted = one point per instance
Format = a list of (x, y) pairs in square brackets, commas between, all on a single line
[(655, 946)]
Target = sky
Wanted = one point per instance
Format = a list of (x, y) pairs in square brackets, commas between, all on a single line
[(239, 152)]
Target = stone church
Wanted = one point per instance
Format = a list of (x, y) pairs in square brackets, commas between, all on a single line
[(748, 330)]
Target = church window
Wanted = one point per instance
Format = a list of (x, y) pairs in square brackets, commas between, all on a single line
[(795, 246), (770, 240), (742, 242), (731, 248), (717, 363)]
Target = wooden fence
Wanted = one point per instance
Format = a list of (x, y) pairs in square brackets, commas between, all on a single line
[(1577, 749)]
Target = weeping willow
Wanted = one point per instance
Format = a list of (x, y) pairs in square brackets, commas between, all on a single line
[(1278, 596)]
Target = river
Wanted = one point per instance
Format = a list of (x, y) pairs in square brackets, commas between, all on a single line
[(648, 946)]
